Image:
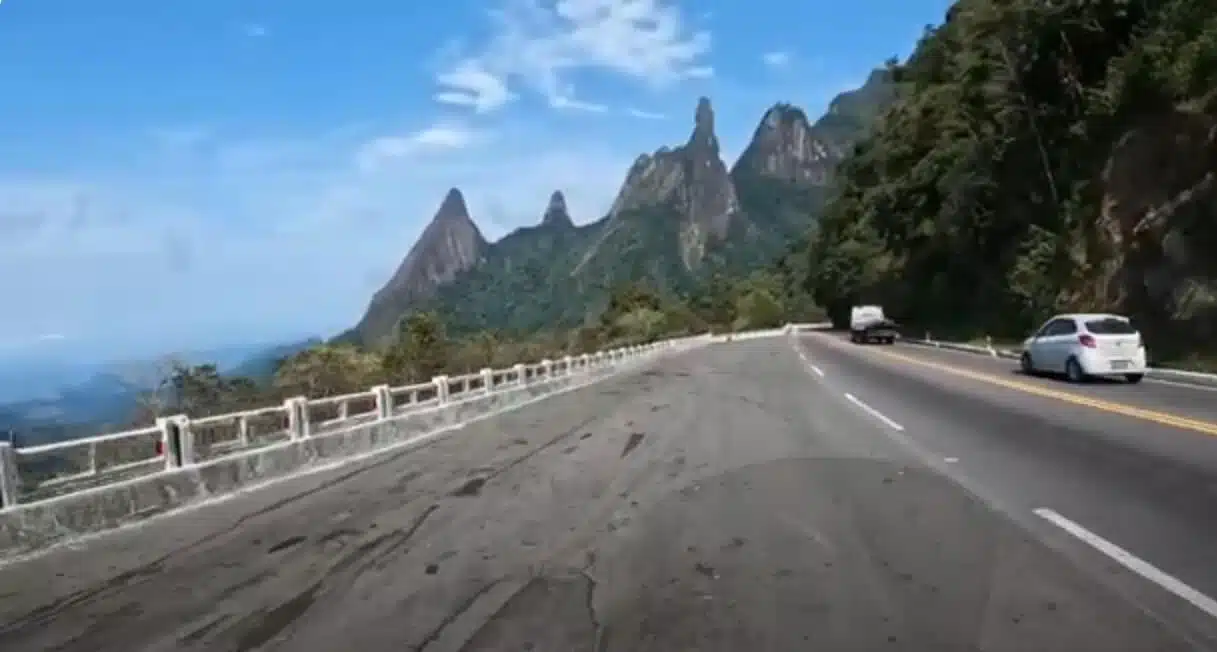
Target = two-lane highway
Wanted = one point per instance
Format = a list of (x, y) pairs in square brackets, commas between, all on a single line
[(773, 494), (1134, 466)]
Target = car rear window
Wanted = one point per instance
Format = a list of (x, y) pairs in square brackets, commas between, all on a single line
[(1110, 326)]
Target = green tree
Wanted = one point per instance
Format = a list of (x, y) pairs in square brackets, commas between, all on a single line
[(420, 349), (328, 370)]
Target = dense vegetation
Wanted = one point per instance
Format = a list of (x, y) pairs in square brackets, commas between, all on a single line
[(988, 195), (423, 347)]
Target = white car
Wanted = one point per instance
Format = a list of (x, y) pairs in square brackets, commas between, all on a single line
[(1086, 345)]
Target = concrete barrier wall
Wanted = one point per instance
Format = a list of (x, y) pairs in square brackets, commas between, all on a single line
[(27, 528)]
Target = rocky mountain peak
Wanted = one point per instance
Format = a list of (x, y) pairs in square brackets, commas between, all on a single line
[(556, 213), (453, 208), (785, 147), (449, 245), (689, 182), (703, 126)]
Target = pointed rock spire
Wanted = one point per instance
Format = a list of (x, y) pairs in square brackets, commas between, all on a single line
[(453, 208), (556, 213), (703, 126)]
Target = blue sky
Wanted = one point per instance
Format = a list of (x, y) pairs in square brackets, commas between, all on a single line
[(196, 173)]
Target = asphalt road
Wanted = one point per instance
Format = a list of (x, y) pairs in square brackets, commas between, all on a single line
[(764, 495)]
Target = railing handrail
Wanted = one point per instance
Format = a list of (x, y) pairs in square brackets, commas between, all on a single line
[(176, 446)]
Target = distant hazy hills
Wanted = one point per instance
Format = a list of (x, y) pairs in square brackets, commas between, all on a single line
[(66, 396)]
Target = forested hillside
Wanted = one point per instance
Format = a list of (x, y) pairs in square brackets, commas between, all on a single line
[(1040, 156)]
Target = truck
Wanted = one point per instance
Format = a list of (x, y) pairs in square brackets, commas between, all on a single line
[(869, 324)]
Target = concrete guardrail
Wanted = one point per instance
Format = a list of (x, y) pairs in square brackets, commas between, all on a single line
[(180, 460)]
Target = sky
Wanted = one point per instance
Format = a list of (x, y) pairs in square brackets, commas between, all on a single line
[(188, 174)]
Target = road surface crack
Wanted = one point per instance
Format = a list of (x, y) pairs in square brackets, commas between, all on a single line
[(601, 639), (456, 613)]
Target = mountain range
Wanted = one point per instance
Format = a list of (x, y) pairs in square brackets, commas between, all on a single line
[(680, 217), (109, 393)]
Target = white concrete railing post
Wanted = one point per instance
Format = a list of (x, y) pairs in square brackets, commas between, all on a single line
[(10, 476), (567, 362), (177, 441), (441, 389), (384, 401), (298, 426), (521, 373), (547, 367), (487, 379)]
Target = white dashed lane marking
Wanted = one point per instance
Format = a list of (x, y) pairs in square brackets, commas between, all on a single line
[(1131, 562), (874, 413)]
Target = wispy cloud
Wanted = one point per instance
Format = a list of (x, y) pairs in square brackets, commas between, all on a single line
[(443, 136), (570, 104), (254, 30), (469, 83), (776, 59), (536, 46), (645, 115)]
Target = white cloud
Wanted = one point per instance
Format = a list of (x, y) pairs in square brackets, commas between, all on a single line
[(472, 85), (254, 30), (563, 102), (538, 44), (776, 59), (380, 149), (645, 115)]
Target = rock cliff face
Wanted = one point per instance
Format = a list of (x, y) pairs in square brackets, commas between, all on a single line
[(688, 186), (787, 147), (449, 245), (1158, 231), (783, 147)]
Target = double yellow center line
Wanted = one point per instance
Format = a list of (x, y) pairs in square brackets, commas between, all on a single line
[(1161, 418)]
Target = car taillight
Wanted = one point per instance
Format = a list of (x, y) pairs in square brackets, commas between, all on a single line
[(160, 447), (1087, 341)]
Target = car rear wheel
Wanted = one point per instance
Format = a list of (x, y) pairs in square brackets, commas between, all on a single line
[(1074, 372), (1134, 378), (1026, 364)]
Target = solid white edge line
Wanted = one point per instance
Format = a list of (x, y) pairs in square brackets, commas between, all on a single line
[(819, 371), (1131, 562), (1175, 383), (873, 412)]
